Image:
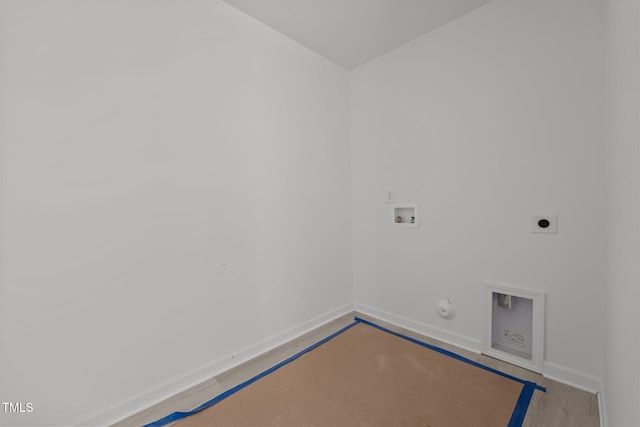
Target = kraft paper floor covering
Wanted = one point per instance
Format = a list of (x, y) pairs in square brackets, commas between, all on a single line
[(368, 377)]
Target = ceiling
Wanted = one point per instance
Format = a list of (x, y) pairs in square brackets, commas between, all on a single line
[(352, 32)]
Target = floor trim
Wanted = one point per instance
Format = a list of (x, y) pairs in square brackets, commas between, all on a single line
[(191, 379), (332, 322), (601, 409), (452, 338), (571, 377), (562, 374)]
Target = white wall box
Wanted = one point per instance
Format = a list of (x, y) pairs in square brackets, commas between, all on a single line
[(405, 214), (514, 325)]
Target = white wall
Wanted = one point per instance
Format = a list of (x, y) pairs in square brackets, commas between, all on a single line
[(483, 122), (174, 189), (622, 361)]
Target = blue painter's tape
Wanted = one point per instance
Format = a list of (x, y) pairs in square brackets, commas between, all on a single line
[(180, 415), (517, 416)]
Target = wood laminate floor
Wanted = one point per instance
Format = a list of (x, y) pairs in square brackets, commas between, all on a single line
[(560, 406)]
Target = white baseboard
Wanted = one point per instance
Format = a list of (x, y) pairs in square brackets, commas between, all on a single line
[(448, 337), (572, 377), (190, 379), (602, 410), (133, 405), (569, 376)]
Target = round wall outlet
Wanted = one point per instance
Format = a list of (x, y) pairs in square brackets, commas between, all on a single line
[(445, 309), (544, 223)]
